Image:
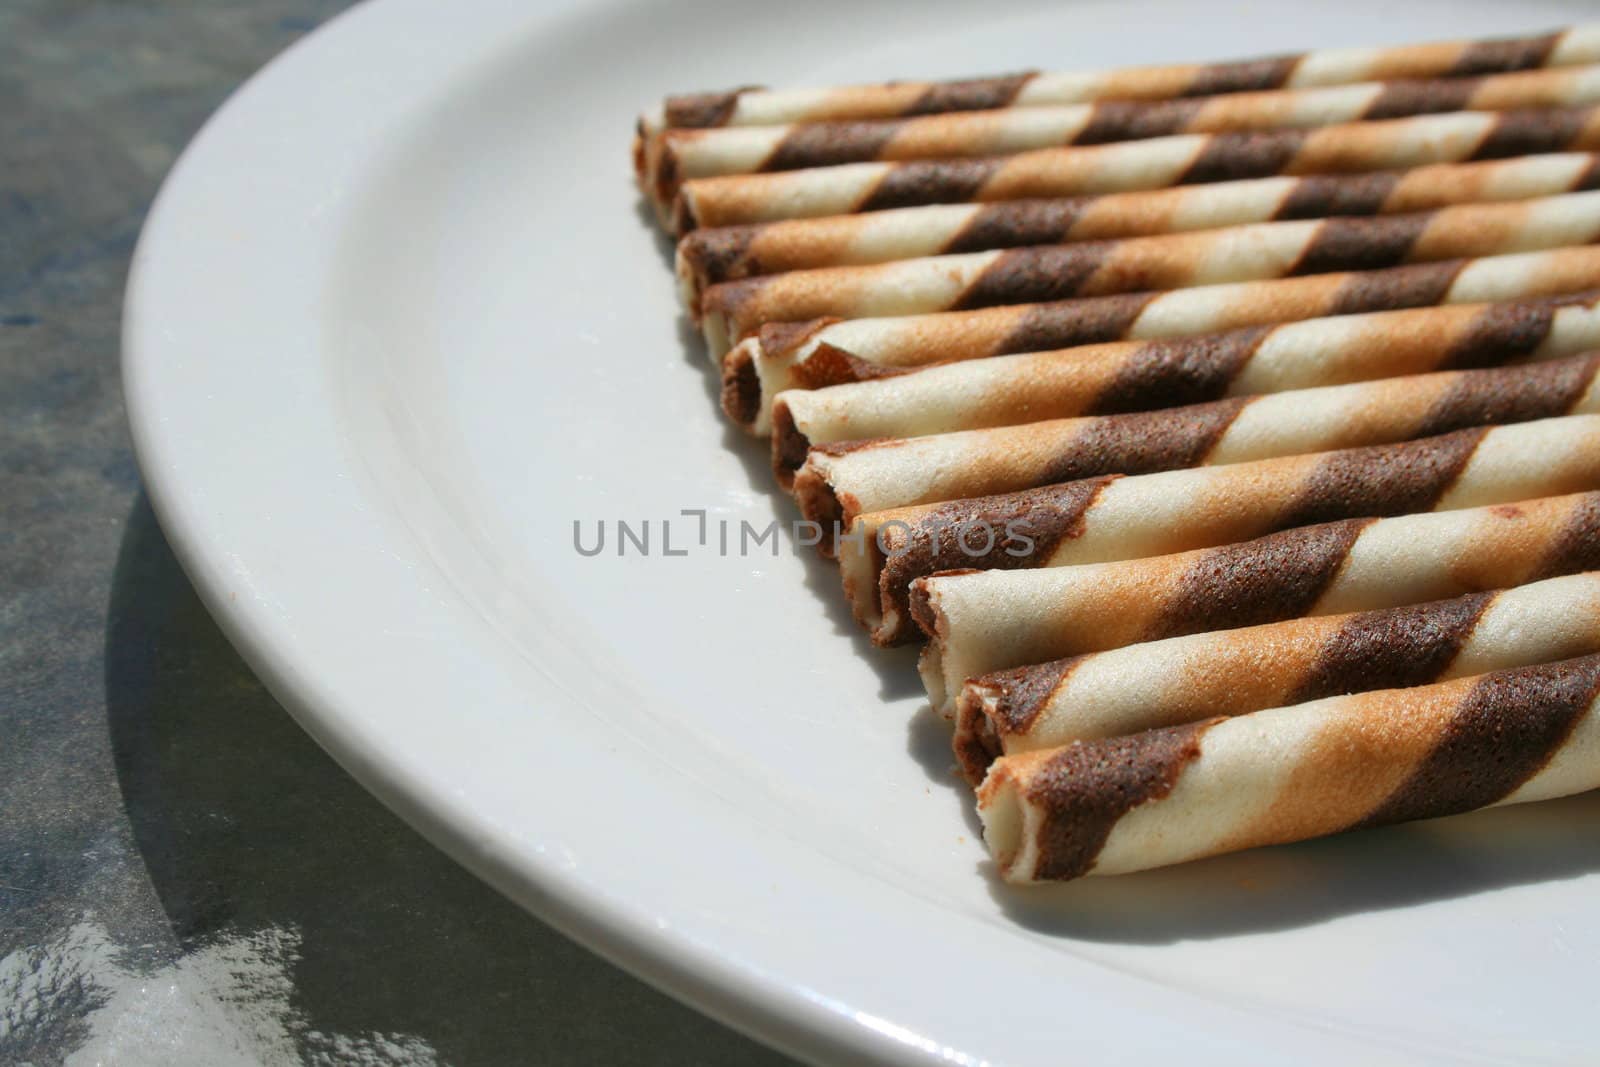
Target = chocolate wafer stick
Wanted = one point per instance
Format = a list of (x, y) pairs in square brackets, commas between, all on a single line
[(730, 253), (1109, 518), (839, 482), (823, 352), (990, 620), (1288, 774), (754, 106), (676, 155), (1155, 163), (1169, 261), (1130, 376), (1234, 672)]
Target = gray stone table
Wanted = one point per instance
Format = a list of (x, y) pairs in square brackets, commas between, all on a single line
[(185, 878)]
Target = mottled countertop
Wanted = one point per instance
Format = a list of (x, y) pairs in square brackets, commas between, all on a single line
[(185, 878)]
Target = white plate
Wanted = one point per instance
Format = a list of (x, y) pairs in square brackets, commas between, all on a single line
[(398, 320)]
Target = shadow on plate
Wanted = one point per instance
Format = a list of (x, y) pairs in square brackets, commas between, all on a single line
[(896, 667), (247, 827), (1315, 881)]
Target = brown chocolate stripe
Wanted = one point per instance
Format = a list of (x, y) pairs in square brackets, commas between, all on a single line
[(1577, 546), (1504, 333), (1270, 579), (698, 110), (1100, 319), (830, 365), (1401, 98), (978, 533), (1416, 285), (1068, 323), (715, 253), (1016, 223), (1510, 394), (1086, 788), (976, 94), (1135, 120), (1184, 370), (1244, 76), (1392, 649), (1022, 692), (1231, 156), (1018, 696), (1319, 196), (940, 181), (827, 144), (1362, 244), (1492, 57), (1030, 275), (1383, 480), (1530, 132), (1144, 442), (1503, 733), (782, 338)]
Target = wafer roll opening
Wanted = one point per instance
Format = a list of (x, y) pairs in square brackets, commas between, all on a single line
[(1004, 818), (741, 389)]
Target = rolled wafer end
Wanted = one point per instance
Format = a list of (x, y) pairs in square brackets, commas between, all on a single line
[(657, 171), (930, 664), (814, 484), (1006, 818), (741, 392), (819, 499), (705, 257), (977, 743), (995, 707), (1048, 815), (790, 446), (860, 562), (643, 151), (663, 172), (718, 331), (815, 366), (680, 217), (690, 280), (758, 369), (652, 122)]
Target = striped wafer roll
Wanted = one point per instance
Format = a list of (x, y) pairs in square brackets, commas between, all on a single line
[(990, 620), (1129, 376), (1110, 518), (1168, 261), (1234, 672), (754, 106), (730, 253), (677, 155), (827, 352), (1293, 773), (1154, 163), (840, 482)]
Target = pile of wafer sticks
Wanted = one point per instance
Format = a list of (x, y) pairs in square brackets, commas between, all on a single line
[(1229, 432)]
